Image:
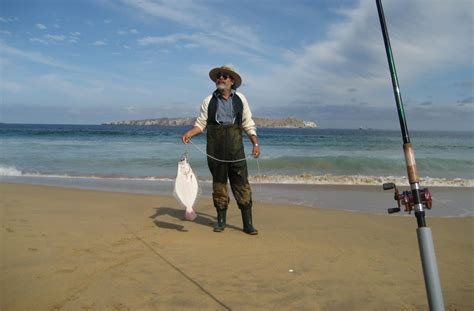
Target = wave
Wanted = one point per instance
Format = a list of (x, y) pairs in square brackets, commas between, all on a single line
[(365, 165), (11, 171), (358, 180), (309, 179)]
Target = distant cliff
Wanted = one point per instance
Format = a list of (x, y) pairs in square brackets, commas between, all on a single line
[(260, 122)]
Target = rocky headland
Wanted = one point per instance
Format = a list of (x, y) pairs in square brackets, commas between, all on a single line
[(260, 122)]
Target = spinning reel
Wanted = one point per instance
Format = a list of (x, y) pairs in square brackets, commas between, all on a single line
[(406, 198)]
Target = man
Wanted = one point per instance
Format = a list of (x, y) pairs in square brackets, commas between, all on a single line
[(225, 113)]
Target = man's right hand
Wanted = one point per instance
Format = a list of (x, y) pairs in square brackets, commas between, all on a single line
[(192, 132), (185, 138)]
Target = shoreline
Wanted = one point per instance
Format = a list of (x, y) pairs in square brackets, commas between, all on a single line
[(447, 201), (72, 249)]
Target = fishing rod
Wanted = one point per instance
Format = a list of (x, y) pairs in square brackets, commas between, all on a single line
[(417, 199)]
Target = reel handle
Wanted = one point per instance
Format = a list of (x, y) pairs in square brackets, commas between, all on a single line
[(393, 210), (388, 186)]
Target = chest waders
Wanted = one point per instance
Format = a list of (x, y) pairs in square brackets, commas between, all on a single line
[(225, 142)]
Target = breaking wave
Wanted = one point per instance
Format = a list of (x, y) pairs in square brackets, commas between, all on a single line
[(357, 180), (326, 179)]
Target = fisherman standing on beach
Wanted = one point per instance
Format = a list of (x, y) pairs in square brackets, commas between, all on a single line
[(225, 113)]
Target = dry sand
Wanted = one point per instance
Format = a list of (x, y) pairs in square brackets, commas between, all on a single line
[(67, 249)]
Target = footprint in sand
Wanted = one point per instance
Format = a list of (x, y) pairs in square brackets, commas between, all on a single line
[(33, 249), (9, 230)]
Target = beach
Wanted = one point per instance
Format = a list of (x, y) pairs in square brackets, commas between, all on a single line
[(75, 249)]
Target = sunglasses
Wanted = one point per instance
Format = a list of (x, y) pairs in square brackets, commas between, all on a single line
[(223, 75)]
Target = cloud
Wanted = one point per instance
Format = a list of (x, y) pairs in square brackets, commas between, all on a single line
[(8, 19), (55, 37), (124, 32), (238, 38), (467, 100), (5, 32), (38, 40), (428, 37), (100, 43), (107, 21), (163, 39), (182, 12), (355, 115), (37, 58), (41, 26)]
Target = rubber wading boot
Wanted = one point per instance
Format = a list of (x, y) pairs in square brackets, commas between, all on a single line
[(221, 215), (247, 221)]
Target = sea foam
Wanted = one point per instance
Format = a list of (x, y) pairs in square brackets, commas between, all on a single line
[(9, 171), (357, 180)]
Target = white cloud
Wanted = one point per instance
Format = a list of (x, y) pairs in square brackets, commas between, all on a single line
[(8, 19), (124, 32), (41, 26), (37, 58), (74, 37), (428, 37), (5, 32), (100, 43), (163, 39), (127, 47), (49, 38), (38, 40), (239, 38), (55, 37), (183, 12), (107, 21), (56, 26)]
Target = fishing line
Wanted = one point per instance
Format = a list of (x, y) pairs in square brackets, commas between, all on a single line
[(225, 161), (219, 160), (177, 269)]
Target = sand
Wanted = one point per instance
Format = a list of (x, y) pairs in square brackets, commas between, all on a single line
[(69, 249)]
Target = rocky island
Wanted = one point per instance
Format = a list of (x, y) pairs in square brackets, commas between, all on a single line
[(260, 122)]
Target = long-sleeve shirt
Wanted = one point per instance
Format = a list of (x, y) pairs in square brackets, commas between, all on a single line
[(247, 122)]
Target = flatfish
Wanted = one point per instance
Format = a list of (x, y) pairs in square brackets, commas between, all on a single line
[(186, 188)]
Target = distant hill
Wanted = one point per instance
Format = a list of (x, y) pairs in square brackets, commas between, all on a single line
[(260, 122)]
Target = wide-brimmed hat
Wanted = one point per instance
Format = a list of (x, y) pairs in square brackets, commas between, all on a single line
[(230, 71)]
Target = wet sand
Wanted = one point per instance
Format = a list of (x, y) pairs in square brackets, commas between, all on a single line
[(69, 249)]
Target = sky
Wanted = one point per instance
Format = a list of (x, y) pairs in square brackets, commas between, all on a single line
[(89, 62)]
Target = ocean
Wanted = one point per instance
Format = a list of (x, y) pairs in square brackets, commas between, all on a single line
[(144, 158)]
